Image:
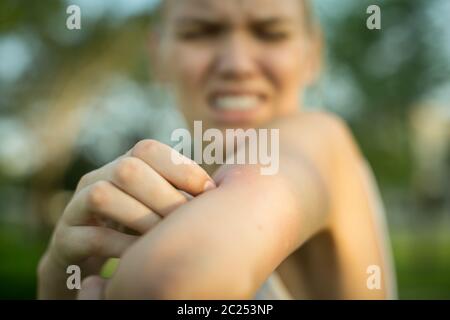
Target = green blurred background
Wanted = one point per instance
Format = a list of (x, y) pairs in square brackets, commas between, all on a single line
[(71, 101)]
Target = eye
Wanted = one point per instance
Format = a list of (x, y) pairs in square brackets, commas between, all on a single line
[(272, 35), (199, 32)]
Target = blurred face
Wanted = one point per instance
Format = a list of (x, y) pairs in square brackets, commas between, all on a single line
[(235, 63)]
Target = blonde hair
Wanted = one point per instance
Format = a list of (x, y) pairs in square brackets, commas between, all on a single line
[(310, 21)]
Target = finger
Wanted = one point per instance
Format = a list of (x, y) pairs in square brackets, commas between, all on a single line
[(92, 288), (98, 174), (179, 170), (105, 200), (139, 180), (87, 241)]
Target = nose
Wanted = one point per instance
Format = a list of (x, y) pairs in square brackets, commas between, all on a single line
[(234, 60)]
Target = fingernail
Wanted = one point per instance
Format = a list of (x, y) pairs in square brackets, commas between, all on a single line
[(209, 185)]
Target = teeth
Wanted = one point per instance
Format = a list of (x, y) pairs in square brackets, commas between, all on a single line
[(236, 102)]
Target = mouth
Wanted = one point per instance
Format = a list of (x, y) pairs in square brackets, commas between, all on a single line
[(236, 107), (236, 102)]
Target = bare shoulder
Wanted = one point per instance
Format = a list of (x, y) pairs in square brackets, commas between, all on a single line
[(335, 129), (325, 138), (323, 125)]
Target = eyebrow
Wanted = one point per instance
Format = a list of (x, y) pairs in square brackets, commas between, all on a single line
[(272, 21), (260, 22), (195, 20)]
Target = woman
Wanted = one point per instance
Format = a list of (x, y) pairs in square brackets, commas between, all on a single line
[(314, 225)]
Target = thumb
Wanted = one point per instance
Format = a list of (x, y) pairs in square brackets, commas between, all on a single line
[(92, 288)]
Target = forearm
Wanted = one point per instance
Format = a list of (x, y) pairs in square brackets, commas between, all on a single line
[(223, 244)]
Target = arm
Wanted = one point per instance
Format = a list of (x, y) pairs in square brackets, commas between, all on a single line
[(356, 230), (225, 243)]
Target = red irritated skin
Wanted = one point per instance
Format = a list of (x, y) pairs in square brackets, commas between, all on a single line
[(221, 245)]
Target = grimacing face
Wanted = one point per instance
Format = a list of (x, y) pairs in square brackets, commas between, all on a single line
[(236, 63)]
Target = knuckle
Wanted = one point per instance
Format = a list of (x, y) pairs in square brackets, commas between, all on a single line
[(98, 195), (59, 236), (126, 170), (145, 148), (192, 180), (61, 241), (84, 180)]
